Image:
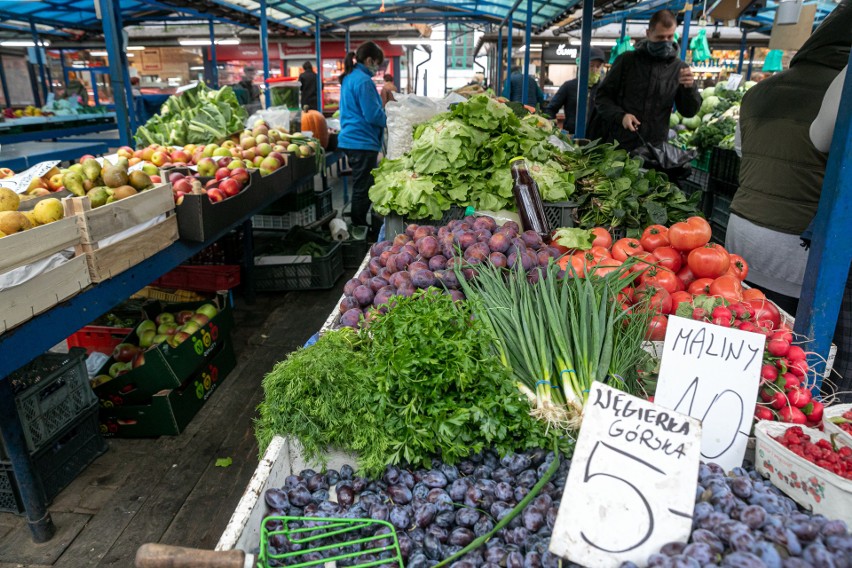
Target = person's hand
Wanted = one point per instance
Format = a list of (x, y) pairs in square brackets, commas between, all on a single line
[(686, 78), (630, 122)]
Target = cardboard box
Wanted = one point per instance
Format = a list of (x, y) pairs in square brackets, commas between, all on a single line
[(169, 411), (167, 367), (199, 219)]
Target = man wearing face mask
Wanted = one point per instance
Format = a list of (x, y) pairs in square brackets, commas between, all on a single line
[(566, 97), (636, 97)]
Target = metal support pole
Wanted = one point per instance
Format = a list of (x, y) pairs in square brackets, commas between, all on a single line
[(347, 41), (509, 56), (446, 51), (583, 71), (112, 38), (830, 251), (29, 484), (319, 66), (750, 63), (527, 49), (64, 67), (499, 57), (264, 48), (687, 19), (214, 62), (3, 83), (94, 87), (40, 61), (124, 68), (742, 52), (623, 29)]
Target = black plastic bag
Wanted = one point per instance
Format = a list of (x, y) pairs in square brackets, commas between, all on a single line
[(666, 158)]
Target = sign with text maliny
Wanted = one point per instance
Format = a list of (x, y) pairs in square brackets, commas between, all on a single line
[(712, 373), (631, 487)]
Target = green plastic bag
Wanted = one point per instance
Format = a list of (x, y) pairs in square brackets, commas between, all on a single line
[(623, 45), (699, 46), (772, 63)]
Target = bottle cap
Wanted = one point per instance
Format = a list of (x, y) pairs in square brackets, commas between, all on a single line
[(513, 160), (469, 210)]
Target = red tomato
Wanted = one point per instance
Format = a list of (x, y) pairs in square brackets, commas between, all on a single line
[(700, 287), (739, 267), (577, 265), (626, 294), (764, 310), (690, 234), (602, 238), (709, 261), (657, 328), (753, 294), (654, 237), (622, 248), (668, 257), (661, 278), (644, 261), (727, 287), (686, 276), (600, 253), (655, 300), (606, 266), (679, 298)]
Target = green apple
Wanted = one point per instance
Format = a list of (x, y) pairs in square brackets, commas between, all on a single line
[(146, 338), (208, 310), (209, 149), (218, 152), (234, 164), (146, 325), (150, 169)]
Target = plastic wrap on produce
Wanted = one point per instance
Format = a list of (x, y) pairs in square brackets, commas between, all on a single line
[(407, 112), (24, 274), (276, 117), (131, 231)]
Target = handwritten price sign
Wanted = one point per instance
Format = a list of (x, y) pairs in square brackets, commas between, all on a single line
[(712, 373), (631, 487)]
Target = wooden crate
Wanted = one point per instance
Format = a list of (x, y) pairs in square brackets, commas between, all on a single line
[(106, 261), (22, 302)]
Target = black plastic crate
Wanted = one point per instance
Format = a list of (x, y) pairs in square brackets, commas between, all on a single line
[(314, 273), (51, 392), (59, 462), (323, 203), (298, 200), (723, 188), (721, 211), (725, 166), (355, 248), (699, 178), (719, 232)]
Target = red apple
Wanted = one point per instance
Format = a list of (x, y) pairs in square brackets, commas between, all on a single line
[(180, 156), (156, 179), (124, 352), (222, 173), (159, 158), (224, 161), (174, 177), (249, 154), (241, 175), (183, 185), (215, 195), (213, 183), (179, 198), (230, 187), (200, 319), (278, 156), (85, 157), (184, 316)]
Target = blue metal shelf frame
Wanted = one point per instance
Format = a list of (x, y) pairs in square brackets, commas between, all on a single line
[(36, 135), (24, 343)]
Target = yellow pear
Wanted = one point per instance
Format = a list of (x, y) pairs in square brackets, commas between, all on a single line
[(9, 200), (48, 210)]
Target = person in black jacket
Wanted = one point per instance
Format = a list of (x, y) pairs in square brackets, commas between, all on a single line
[(636, 97), (566, 96), (515, 85), (308, 90)]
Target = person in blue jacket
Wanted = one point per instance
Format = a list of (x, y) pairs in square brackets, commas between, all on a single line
[(514, 89), (362, 123)]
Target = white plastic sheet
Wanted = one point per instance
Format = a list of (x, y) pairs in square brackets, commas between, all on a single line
[(406, 112), (276, 117)]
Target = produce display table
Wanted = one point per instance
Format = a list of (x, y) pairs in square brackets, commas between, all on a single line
[(32, 338), (46, 127), (26, 154)]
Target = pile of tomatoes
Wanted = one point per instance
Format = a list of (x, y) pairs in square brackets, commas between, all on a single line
[(822, 453)]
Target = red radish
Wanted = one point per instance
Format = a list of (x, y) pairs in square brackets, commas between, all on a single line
[(793, 415), (766, 395), (778, 347), (783, 335), (783, 364), (799, 367), (791, 381), (765, 310), (779, 401), (796, 353), (763, 413), (722, 312), (699, 314), (722, 322), (747, 326), (815, 414), (799, 396), (768, 373)]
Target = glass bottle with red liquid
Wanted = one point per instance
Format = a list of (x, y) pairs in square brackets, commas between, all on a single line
[(528, 200)]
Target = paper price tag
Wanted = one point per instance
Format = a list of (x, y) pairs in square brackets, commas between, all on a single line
[(734, 81), (712, 373), (19, 183), (631, 487)]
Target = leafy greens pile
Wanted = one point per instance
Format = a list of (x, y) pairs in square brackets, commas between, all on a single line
[(612, 190), (196, 116), (461, 157), (422, 382)]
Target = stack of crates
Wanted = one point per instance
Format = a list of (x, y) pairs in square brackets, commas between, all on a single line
[(724, 181), (296, 209), (59, 417)]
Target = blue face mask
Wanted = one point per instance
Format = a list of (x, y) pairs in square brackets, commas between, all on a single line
[(661, 49)]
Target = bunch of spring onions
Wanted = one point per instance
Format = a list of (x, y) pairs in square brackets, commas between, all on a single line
[(559, 334)]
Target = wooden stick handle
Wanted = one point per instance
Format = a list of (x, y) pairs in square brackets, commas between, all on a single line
[(165, 556)]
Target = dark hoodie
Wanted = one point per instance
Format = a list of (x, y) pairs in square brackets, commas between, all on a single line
[(781, 172), (647, 88)]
